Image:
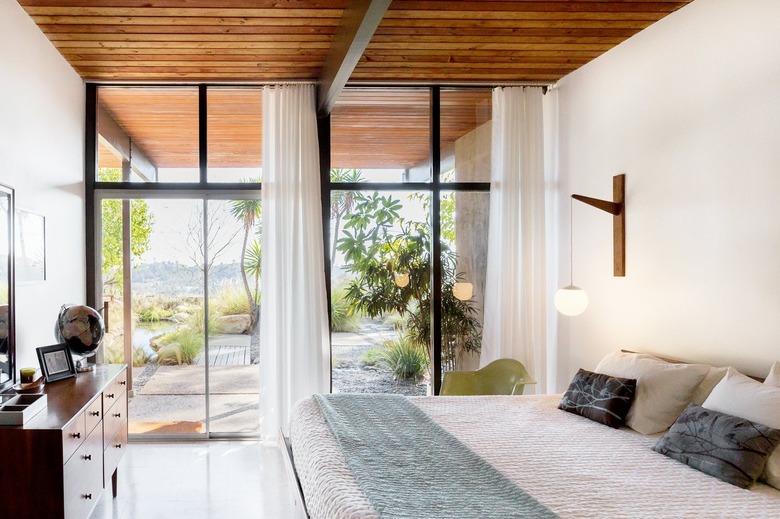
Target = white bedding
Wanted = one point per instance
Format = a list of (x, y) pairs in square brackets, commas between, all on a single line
[(575, 467)]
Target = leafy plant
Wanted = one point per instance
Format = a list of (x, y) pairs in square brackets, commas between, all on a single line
[(378, 245), (405, 358), (372, 357), (140, 357), (141, 223), (248, 212), (343, 317)]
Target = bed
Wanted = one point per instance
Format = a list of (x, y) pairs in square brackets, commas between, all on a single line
[(571, 465)]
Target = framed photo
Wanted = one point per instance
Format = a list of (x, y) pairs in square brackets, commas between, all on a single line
[(30, 247), (56, 362)]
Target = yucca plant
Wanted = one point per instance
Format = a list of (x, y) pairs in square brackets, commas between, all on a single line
[(405, 358)]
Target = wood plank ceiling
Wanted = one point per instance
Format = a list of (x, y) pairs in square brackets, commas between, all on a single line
[(271, 40), (263, 41)]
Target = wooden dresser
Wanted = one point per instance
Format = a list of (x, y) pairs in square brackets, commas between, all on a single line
[(57, 464)]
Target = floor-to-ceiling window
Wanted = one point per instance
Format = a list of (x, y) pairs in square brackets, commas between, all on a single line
[(176, 219), (177, 234), (409, 203)]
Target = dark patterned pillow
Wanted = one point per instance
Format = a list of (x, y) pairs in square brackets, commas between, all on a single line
[(601, 398), (730, 448)]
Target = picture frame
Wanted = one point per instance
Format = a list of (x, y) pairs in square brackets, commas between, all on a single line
[(30, 247), (56, 362)]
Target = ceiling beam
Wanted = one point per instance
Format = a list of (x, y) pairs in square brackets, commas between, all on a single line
[(111, 134), (358, 23)]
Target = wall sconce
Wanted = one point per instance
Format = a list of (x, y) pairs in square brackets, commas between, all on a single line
[(463, 291), (401, 279), (572, 300)]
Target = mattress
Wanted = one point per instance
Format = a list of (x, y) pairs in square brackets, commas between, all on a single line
[(573, 466)]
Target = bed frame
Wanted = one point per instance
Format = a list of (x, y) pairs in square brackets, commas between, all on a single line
[(295, 483)]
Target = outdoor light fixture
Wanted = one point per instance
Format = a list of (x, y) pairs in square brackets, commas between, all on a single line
[(401, 279), (572, 300), (463, 291)]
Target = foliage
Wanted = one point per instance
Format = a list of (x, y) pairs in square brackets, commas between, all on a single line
[(141, 223), (343, 317), (405, 358), (253, 266), (371, 357), (140, 357), (377, 245), (230, 300), (248, 212), (181, 346), (341, 202)]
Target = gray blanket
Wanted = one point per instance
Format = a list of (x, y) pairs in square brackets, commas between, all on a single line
[(409, 467)]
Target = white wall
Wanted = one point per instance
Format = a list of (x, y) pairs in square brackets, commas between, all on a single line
[(42, 151), (689, 109)]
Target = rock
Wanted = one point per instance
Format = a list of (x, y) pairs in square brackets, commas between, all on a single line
[(233, 324), (180, 317)]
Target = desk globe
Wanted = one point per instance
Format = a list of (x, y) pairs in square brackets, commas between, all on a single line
[(82, 329)]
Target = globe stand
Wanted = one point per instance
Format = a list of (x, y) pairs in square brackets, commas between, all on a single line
[(82, 366)]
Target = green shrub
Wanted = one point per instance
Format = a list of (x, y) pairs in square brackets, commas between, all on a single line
[(140, 357), (343, 318), (372, 357), (230, 300), (405, 358), (113, 349), (181, 346), (197, 321), (152, 309)]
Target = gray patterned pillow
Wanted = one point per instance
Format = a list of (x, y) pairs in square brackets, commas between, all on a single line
[(728, 447), (601, 398)]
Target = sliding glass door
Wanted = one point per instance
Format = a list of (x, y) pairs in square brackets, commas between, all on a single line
[(182, 310)]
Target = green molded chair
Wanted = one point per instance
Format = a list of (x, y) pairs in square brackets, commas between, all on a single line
[(500, 377)]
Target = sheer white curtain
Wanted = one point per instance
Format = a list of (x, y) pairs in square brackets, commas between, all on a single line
[(294, 350), (515, 286)]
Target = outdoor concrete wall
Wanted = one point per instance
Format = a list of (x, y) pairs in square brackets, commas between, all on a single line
[(689, 110), (472, 211), (42, 151)]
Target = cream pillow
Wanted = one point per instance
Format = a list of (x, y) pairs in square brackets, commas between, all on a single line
[(773, 379), (714, 375), (744, 397), (663, 389)]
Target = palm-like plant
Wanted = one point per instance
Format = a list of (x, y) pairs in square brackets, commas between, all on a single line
[(248, 212), (341, 202)]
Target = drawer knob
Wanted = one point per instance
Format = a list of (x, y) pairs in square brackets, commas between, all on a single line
[(75, 435), (123, 382), (86, 496), (88, 457), (117, 415), (95, 413), (110, 395), (117, 445)]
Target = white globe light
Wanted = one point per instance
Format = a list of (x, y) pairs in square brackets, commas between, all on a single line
[(571, 300)]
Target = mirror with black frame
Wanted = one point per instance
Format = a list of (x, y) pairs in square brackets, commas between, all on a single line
[(7, 343)]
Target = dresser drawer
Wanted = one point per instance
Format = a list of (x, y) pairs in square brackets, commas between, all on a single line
[(113, 418), (93, 414), (83, 477), (120, 382), (73, 436), (115, 450)]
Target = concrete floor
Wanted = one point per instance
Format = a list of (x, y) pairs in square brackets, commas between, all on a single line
[(202, 480)]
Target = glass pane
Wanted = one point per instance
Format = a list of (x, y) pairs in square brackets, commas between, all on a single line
[(466, 135), (380, 275), (382, 132), (148, 134), (235, 134), (234, 231), (464, 240), (168, 325)]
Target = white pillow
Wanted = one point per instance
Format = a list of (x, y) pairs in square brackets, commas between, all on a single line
[(714, 375), (663, 389), (746, 398), (773, 379)]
